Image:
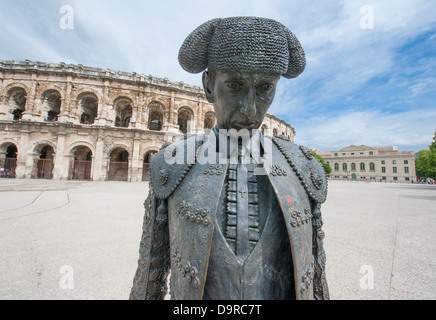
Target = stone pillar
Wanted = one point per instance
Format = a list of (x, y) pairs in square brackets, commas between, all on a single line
[(31, 112), (65, 114), (24, 160), (136, 163), (61, 162), (102, 112), (99, 161)]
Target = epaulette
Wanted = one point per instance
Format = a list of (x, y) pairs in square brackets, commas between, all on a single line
[(172, 163), (307, 168)]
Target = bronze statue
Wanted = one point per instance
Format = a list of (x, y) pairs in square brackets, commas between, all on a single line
[(235, 214)]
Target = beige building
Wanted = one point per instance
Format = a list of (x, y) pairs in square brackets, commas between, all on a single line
[(63, 121), (384, 164)]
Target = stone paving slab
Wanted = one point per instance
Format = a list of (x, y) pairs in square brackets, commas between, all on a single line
[(380, 240)]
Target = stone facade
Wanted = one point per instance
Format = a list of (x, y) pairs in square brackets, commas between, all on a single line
[(63, 121), (384, 164)]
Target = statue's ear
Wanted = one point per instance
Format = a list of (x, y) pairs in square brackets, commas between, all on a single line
[(297, 58), (193, 54), (208, 86)]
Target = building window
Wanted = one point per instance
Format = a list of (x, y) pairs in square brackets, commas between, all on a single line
[(394, 161), (407, 179), (406, 169), (383, 169), (344, 167), (353, 167), (336, 166), (352, 153), (406, 161), (344, 154), (383, 162), (394, 169), (372, 167), (384, 178), (362, 167), (395, 178), (371, 153), (336, 154)]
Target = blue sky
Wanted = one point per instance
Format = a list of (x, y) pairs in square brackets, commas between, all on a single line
[(375, 87)]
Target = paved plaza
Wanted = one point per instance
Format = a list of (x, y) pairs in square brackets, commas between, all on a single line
[(80, 240)]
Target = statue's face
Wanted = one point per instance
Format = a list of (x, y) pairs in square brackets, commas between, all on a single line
[(241, 98)]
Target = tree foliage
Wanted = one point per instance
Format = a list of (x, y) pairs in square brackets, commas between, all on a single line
[(326, 166), (426, 161)]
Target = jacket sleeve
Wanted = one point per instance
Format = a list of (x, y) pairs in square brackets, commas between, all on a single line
[(154, 252)]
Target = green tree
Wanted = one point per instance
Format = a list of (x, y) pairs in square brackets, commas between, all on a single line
[(432, 147), (326, 166), (425, 162)]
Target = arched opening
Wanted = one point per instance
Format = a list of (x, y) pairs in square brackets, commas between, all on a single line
[(43, 165), (51, 101), (88, 107), (118, 165), (264, 129), (16, 99), (123, 112), (9, 163), (146, 166), (155, 116), (209, 121), (82, 163), (183, 120), (275, 133)]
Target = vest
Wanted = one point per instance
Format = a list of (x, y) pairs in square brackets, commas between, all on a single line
[(266, 274)]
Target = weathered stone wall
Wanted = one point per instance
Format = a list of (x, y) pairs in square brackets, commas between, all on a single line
[(71, 107)]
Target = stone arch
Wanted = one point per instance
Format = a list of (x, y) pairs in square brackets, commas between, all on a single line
[(71, 148), (81, 161), (185, 117), (264, 129), (87, 105), (15, 100), (15, 85), (8, 159), (87, 89), (51, 100), (44, 154), (118, 164), (38, 145), (123, 107), (156, 115), (146, 162), (209, 120), (6, 142), (110, 148)]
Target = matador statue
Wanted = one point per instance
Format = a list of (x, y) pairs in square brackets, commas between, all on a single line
[(235, 214)]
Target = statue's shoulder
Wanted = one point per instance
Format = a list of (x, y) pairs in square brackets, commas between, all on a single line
[(171, 164), (307, 168)]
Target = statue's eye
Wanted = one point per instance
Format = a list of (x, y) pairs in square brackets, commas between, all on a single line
[(234, 85), (267, 87)]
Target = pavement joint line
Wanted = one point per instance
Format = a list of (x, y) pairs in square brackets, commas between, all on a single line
[(18, 208), (395, 247), (39, 212)]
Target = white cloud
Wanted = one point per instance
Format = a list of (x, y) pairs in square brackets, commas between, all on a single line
[(411, 130)]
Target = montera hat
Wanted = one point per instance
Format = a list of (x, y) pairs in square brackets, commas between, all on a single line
[(250, 43)]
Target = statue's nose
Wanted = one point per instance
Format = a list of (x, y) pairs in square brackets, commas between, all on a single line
[(248, 107)]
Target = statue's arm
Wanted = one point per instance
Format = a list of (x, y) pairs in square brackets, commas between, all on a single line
[(154, 253), (320, 288)]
